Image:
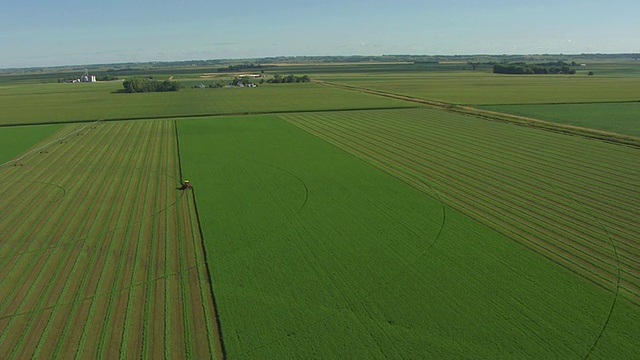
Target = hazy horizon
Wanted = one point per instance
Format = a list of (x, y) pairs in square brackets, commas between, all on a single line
[(43, 34)]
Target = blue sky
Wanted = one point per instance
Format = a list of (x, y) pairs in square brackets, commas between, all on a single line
[(74, 32)]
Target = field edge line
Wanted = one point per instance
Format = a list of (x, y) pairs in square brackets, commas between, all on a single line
[(220, 349)]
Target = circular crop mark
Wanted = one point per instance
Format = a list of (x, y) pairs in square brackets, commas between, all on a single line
[(259, 189), (267, 189), (49, 193)]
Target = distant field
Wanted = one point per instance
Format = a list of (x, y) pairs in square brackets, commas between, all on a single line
[(15, 140), (479, 88), (622, 118), (81, 102), (316, 253)]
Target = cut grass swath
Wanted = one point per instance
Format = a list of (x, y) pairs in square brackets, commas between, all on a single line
[(80, 269)]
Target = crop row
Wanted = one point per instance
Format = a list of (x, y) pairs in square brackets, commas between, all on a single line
[(99, 254), (562, 208)]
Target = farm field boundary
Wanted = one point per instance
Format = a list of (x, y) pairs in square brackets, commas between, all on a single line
[(505, 117), (53, 103), (217, 330)]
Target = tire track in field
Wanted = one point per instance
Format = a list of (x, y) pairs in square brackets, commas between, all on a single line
[(290, 215), (178, 274), (399, 149), (40, 224), (107, 232), (599, 224), (57, 270), (617, 291)]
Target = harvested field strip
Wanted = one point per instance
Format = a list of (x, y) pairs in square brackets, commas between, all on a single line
[(553, 193), (98, 252)]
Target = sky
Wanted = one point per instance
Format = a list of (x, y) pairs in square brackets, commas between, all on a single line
[(35, 33)]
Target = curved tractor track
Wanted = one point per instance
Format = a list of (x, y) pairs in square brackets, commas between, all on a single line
[(100, 255)]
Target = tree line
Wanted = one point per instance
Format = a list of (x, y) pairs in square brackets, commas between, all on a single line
[(279, 79), (558, 67), (239, 67), (145, 84)]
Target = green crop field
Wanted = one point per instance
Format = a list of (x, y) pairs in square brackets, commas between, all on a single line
[(317, 253), (622, 118)]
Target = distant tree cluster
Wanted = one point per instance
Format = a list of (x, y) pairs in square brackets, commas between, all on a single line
[(558, 67), (239, 67), (106, 78), (279, 79), (144, 84)]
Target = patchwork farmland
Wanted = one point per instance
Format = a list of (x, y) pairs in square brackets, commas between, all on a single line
[(340, 219)]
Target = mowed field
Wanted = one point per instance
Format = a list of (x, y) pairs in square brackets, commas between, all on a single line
[(430, 247), (100, 254)]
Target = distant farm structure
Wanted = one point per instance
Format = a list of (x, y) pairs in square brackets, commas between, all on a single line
[(252, 76), (85, 78)]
